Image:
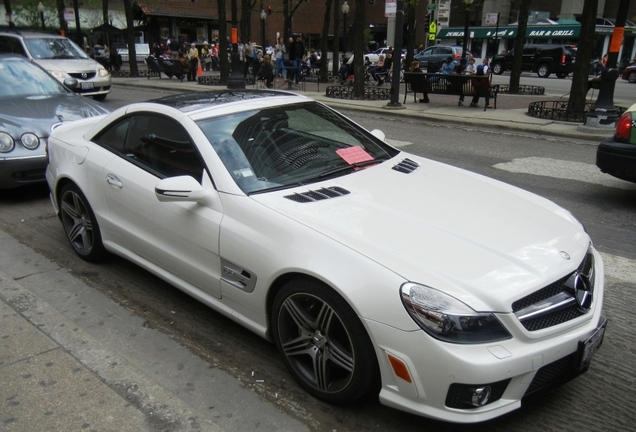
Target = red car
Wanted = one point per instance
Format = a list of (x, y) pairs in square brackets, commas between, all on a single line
[(629, 74)]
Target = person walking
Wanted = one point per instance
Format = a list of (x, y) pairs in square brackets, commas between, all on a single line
[(193, 56), (297, 51), (279, 51)]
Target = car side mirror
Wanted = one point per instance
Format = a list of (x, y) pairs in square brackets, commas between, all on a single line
[(378, 134), (181, 188)]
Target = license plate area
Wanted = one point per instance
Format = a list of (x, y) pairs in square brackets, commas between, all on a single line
[(87, 85), (589, 346)]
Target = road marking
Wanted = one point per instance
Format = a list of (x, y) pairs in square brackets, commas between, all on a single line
[(396, 143), (619, 267), (561, 169)]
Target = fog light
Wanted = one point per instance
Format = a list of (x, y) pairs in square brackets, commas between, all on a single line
[(480, 397)]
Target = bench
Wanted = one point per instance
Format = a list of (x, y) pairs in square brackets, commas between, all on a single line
[(458, 85)]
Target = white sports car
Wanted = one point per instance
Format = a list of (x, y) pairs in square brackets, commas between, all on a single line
[(452, 294)]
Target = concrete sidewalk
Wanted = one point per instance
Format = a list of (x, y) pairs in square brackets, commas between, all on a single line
[(511, 112)]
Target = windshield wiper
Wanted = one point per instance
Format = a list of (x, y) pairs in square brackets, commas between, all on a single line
[(348, 167)]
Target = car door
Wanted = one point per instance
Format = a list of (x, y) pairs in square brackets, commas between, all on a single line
[(425, 57), (181, 238), (528, 58)]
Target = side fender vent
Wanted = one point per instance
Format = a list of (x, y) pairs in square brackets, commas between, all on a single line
[(407, 166), (317, 195)]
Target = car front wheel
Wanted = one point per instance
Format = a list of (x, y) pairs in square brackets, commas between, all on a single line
[(561, 74), (543, 71), (323, 343), (80, 224), (497, 68), (632, 77)]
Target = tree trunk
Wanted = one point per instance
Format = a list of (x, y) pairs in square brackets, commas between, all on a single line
[(60, 14), (324, 42), (336, 41), (224, 63), (409, 10), (105, 12), (246, 19), (130, 39), (580, 77), (358, 48), (7, 9), (515, 73)]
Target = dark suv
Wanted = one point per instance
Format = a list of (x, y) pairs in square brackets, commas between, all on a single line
[(544, 59)]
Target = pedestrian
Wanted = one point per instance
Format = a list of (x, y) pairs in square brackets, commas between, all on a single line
[(297, 51), (482, 70), (174, 47), (266, 72), (279, 51), (471, 69), (206, 55), (415, 67), (248, 56), (459, 70), (193, 55), (183, 66)]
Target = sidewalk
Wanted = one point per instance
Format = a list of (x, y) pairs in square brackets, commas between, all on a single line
[(510, 113)]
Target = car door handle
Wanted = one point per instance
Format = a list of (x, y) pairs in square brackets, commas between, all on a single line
[(114, 181)]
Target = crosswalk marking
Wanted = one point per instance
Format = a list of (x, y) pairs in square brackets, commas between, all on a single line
[(619, 267), (561, 169)]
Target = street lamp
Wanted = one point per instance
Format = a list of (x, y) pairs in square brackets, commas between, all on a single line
[(465, 46), (263, 16), (345, 11), (41, 9)]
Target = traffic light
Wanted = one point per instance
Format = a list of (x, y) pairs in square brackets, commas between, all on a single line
[(427, 21), (269, 10)]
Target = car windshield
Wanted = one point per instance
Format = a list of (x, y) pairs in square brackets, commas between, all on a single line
[(276, 148), (21, 78), (54, 48)]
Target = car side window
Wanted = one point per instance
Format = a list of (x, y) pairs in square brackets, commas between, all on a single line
[(11, 45), (157, 143)]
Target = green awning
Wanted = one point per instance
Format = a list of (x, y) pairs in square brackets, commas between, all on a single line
[(510, 32)]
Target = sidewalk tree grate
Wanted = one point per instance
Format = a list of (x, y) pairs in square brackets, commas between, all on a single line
[(558, 110), (370, 93)]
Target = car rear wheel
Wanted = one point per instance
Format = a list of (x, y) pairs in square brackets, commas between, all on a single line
[(323, 343), (543, 71), (497, 68), (561, 74), (80, 224), (632, 77)]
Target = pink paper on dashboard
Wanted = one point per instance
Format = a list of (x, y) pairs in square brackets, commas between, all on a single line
[(352, 155)]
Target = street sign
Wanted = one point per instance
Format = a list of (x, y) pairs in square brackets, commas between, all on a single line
[(432, 27), (431, 7), (431, 36)]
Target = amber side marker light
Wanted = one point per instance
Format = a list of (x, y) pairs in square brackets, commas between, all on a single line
[(399, 368)]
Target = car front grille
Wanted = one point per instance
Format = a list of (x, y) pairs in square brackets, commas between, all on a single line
[(83, 75), (557, 303)]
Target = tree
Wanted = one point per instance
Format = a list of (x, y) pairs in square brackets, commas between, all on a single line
[(224, 63), (60, 14), (579, 89), (130, 38), (409, 14), (358, 48), (288, 13), (336, 38), (323, 41), (515, 72), (7, 9)]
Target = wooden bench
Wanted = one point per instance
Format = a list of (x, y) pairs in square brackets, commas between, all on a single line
[(458, 85)]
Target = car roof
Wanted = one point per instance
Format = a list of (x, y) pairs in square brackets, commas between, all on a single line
[(189, 102)]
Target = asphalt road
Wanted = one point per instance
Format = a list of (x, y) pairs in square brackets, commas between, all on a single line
[(601, 399)]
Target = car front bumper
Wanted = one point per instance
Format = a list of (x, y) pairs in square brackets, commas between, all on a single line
[(21, 171), (617, 159)]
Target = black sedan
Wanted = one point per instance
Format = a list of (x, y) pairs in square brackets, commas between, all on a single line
[(616, 156), (32, 103)]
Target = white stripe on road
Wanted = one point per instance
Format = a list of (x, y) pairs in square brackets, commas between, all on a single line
[(561, 169), (396, 143), (620, 268)]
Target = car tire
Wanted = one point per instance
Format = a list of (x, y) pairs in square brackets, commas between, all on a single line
[(632, 77), (543, 71), (80, 224), (497, 68), (562, 74), (323, 342), (100, 97)]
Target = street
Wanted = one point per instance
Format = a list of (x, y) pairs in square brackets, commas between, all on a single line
[(556, 168)]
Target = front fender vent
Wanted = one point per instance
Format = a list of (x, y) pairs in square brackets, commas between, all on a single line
[(317, 195), (407, 166)]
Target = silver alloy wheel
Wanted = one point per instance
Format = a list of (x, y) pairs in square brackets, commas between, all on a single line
[(543, 71), (316, 342), (497, 68), (77, 222), (632, 77)]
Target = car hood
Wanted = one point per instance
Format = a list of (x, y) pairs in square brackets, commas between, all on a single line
[(69, 66), (37, 113), (485, 242)]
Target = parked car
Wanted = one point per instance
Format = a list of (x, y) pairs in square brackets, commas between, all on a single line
[(436, 57), (292, 220), (61, 58), (32, 102), (616, 156), (544, 59), (629, 73)]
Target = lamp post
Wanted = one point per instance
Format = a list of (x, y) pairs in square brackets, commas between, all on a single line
[(263, 16), (235, 81), (41, 9), (467, 3), (345, 11)]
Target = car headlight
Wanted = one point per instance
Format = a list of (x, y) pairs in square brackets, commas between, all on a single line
[(58, 74), (30, 141), (6, 142), (448, 319), (103, 72)]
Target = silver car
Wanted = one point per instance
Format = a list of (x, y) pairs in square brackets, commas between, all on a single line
[(62, 58), (32, 102)]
